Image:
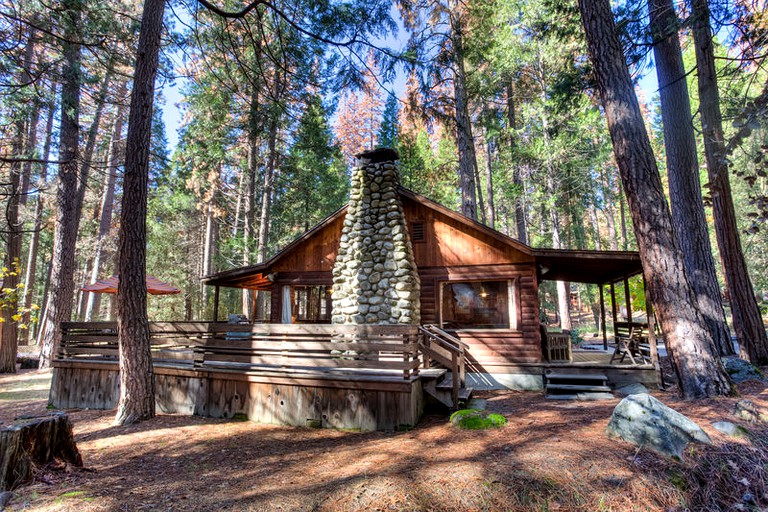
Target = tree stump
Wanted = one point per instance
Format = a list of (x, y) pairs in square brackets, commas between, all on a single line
[(33, 442)]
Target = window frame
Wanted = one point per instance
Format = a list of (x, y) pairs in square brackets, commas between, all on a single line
[(512, 300)]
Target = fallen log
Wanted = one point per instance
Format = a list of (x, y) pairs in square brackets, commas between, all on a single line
[(30, 443)]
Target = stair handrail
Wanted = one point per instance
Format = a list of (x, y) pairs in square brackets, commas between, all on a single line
[(454, 346)]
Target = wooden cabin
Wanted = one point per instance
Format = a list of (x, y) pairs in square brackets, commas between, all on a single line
[(477, 284), (388, 300)]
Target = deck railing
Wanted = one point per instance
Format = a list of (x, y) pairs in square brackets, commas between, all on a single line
[(447, 350), (258, 347)]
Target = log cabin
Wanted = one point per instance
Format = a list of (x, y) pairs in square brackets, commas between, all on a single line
[(388, 300), (477, 284)]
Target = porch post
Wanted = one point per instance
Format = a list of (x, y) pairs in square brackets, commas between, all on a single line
[(652, 337), (216, 304), (614, 309), (602, 317), (628, 300)]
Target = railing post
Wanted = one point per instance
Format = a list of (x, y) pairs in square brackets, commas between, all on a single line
[(455, 379), (462, 369), (413, 353)]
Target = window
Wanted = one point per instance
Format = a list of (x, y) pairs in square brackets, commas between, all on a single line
[(310, 304), (478, 305)]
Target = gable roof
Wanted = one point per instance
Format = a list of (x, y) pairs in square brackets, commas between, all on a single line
[(553, 264)]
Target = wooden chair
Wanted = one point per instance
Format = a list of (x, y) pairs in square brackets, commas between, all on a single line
[(557, 346), (632, 342)]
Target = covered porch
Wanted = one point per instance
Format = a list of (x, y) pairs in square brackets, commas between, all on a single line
[(632, 343)]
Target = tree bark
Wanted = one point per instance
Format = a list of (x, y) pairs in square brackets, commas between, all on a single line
[(683, 171), (59, 305), (137, 386), (116, 155), (34, 442), (747, 321), (690, 345)]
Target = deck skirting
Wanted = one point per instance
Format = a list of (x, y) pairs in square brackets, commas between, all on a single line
[(369, 402)]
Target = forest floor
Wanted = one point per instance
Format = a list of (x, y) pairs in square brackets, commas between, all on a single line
[(549, 456)]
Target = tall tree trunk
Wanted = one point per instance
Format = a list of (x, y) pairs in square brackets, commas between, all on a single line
[(9, 338), (747, 321), (610, 212), (689, 344), (595, 226), (34, 240), (491, 207), (116, 156), (517, 179), (93, 132), (464, 139), (250, 194), (266, 191), (683, 171), (137, 386), (59, 305), (30, 145)]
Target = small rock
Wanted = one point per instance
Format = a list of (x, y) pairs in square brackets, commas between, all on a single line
[(632, 389), (5, 498), (726, 427), (746, 410)]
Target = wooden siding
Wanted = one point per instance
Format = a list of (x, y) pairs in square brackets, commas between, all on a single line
[(491, 347), (449, 241), (316, 253)]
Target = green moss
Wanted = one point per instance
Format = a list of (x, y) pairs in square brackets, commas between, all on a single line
[(474, 419)]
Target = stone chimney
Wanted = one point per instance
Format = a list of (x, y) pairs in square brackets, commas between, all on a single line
[(375, 280)]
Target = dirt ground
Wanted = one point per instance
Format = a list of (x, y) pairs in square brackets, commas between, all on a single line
[(551, 455)]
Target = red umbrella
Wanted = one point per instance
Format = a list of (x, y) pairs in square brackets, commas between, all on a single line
[(109, 285)]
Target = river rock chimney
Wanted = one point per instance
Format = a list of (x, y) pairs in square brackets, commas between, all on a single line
[(375, 280)]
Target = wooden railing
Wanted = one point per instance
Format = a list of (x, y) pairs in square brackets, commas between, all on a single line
[(447, 350), (245, 348)]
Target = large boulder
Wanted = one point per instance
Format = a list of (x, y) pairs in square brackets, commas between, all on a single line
[(646, 422)]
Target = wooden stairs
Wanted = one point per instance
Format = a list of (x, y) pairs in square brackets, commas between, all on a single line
[(438, 383), (576, 386)]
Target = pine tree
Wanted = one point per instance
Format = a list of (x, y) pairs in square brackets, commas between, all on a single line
[(388, 132)]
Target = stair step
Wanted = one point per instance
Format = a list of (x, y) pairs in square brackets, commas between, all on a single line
[(432, 373), (576, 376), (578, 387), (445, 385), (581, 396)]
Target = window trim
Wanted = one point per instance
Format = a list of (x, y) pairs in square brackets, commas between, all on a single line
[(513, 291)]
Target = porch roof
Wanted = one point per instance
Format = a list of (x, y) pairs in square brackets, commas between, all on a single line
[(598, 267)]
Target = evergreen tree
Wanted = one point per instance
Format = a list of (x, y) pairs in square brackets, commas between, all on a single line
[(388, 132)]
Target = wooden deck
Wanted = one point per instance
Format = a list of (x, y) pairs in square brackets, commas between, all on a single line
[(352, 377)]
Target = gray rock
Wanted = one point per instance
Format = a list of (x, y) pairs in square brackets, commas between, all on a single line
[(746, 410), (632, 389), (5, 498), (726, 427), (741, 370), (646, 422)]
